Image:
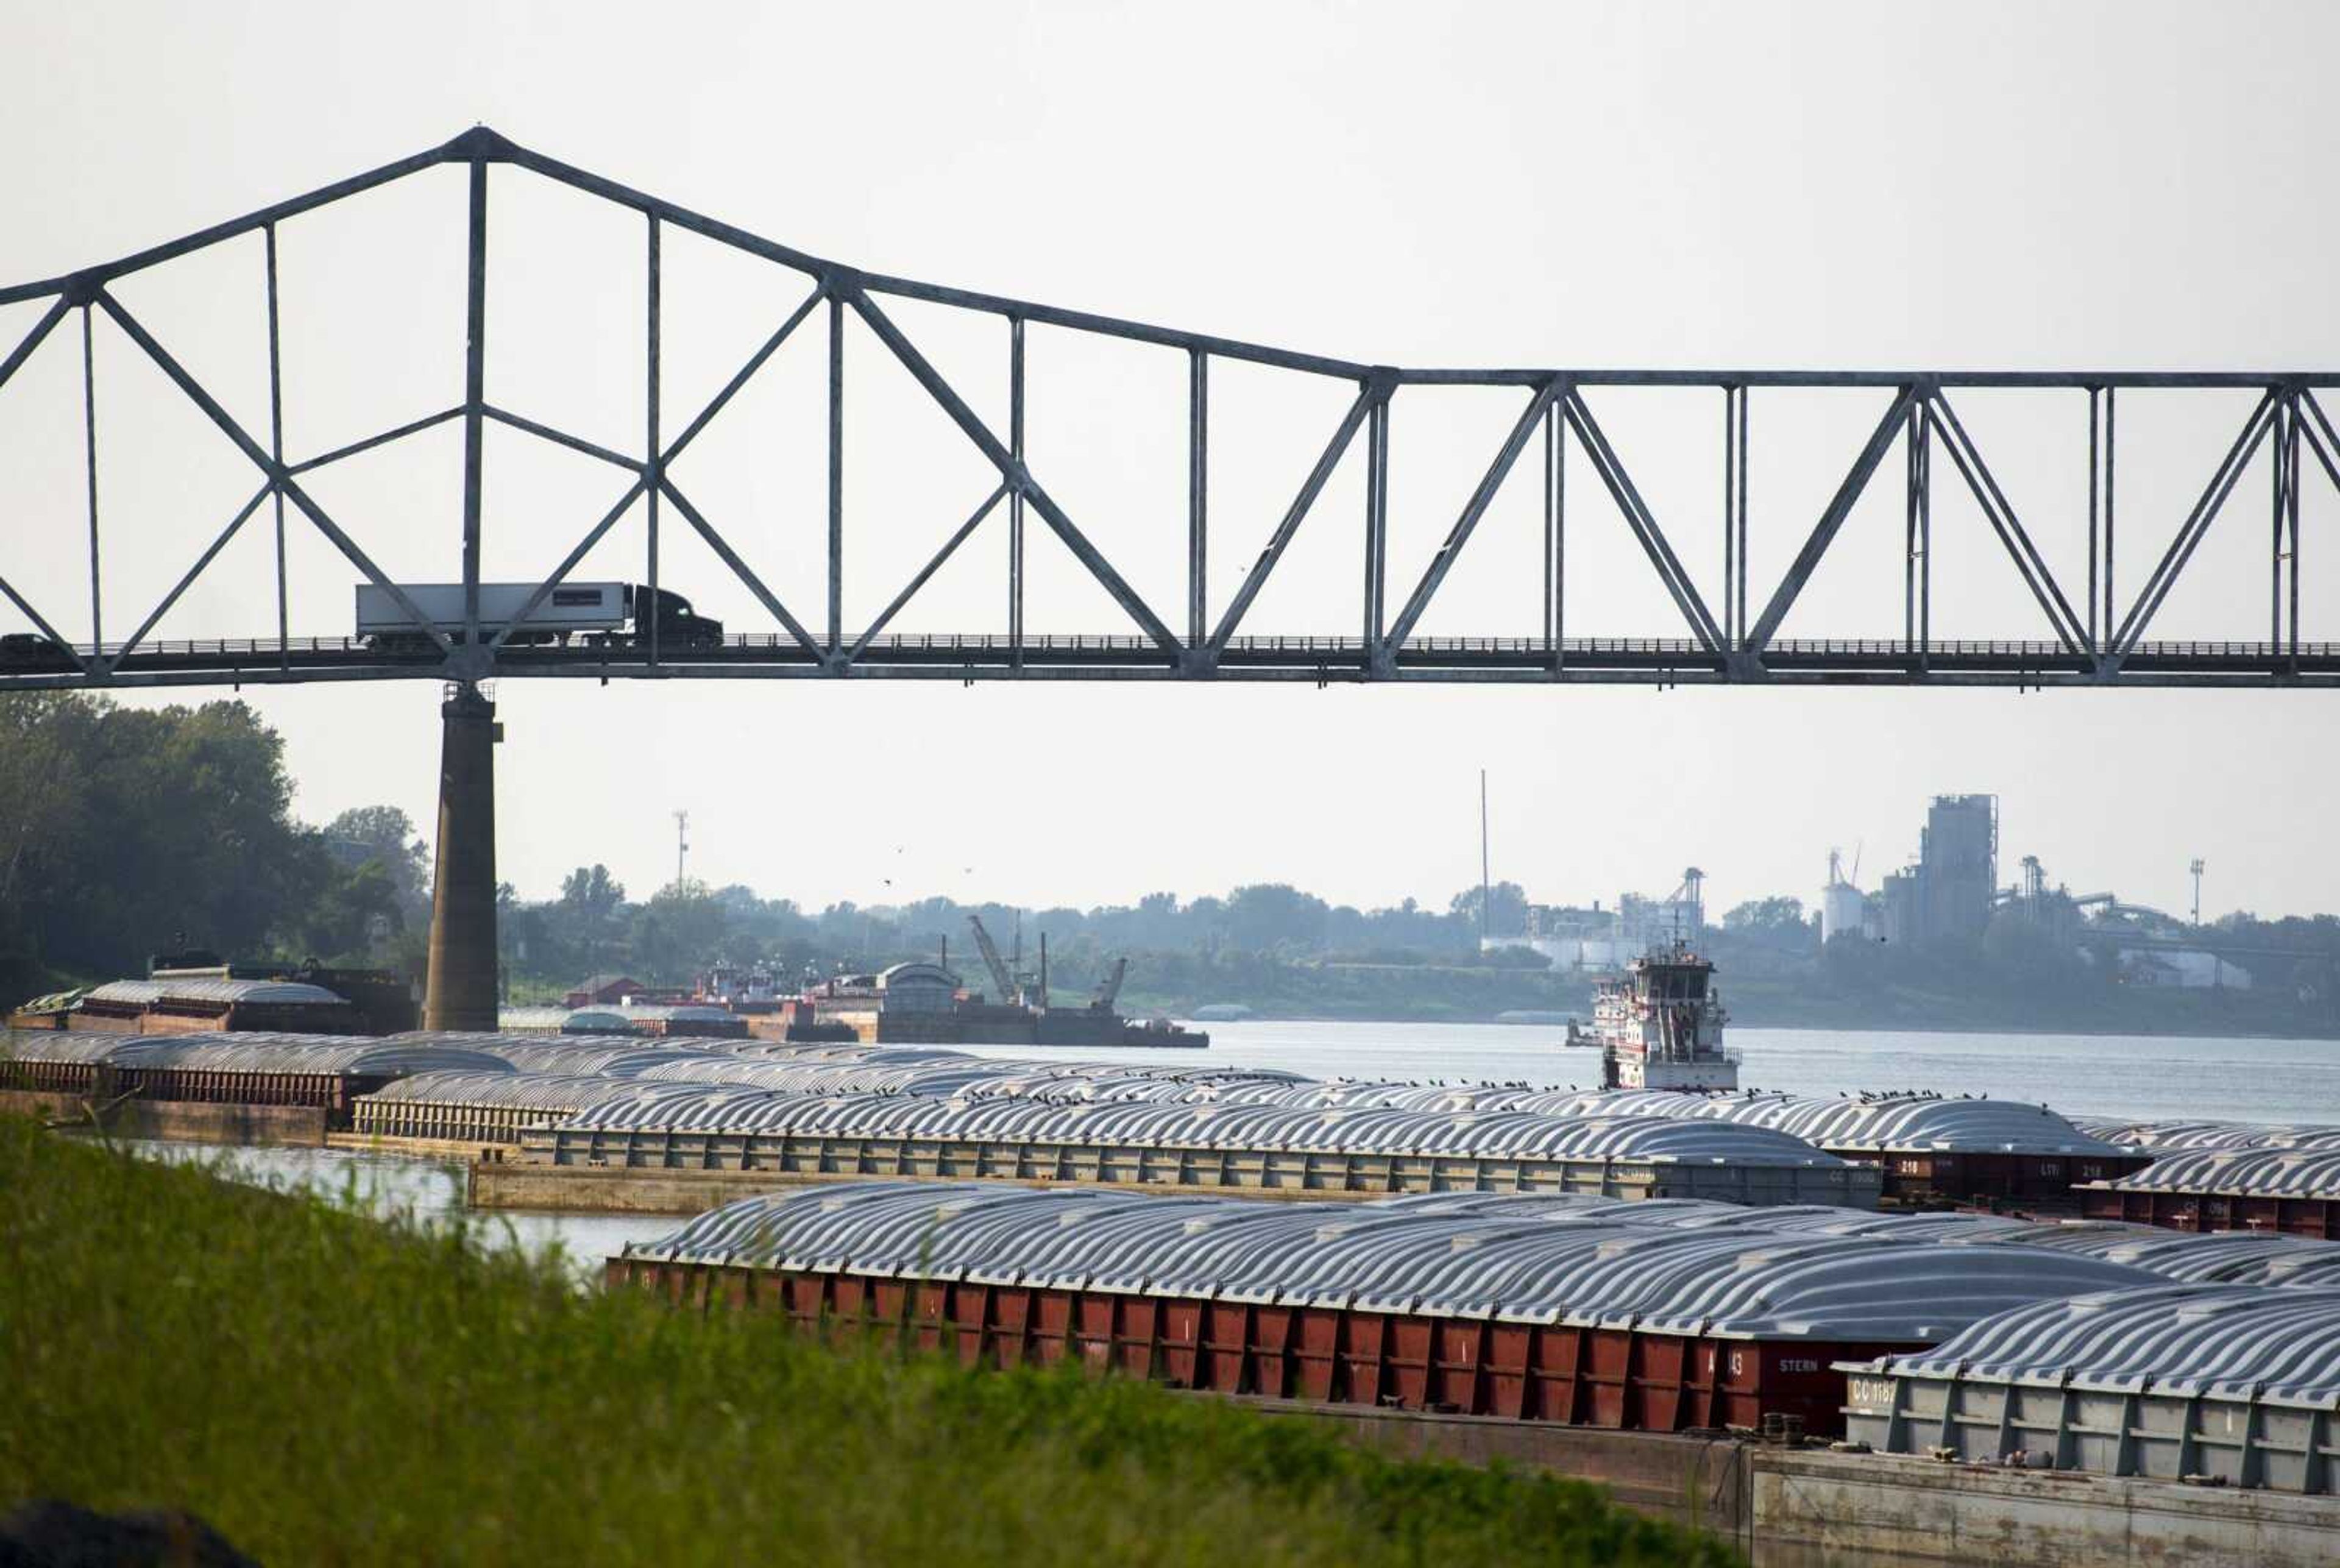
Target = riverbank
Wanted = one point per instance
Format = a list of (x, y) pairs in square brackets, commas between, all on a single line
[(326, 1387)]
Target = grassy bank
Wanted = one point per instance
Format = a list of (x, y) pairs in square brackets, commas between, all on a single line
[(326, 1388)]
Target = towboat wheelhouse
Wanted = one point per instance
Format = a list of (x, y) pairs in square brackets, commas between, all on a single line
[(1660, 1027)]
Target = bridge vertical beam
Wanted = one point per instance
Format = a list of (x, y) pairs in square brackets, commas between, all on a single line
[(460, 988), (1551, 533), (1739, 590), (837, 473), (1729, 518), (2111, 470), (1198, 500), (89, 431), (655, 472), (2096, 513), (276, 451), (1555, 534), (1015, 493), (1918, 536), (2291, 466), (2285, 482), (1376, 531), (475, 390)]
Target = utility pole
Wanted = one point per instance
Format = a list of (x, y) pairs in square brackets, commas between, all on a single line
[(2197, 868), (681, 845), (1484, 895)]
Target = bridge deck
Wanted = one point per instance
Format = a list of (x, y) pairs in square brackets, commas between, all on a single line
[(1616, 660)]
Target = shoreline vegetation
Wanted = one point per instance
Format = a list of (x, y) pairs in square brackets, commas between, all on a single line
[(323, 1386), (1463, 995), (93, 879)]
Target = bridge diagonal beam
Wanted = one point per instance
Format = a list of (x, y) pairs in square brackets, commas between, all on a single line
[(771, 346), (576, 443), (1012, 470), (260, 459), (2325, 445), (1638, 517), (1498, 470), (1375, 393), (186, 581), (33, 340), (411, 427), (90, 665), (2197, 522), (739, 568), (1824, 532), (934, 564), (2010, 528), (543, 590)]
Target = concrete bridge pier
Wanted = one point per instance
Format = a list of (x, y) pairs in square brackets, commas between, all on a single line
[(460, 990)]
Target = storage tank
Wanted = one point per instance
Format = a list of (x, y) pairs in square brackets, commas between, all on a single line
[(1842, 904)]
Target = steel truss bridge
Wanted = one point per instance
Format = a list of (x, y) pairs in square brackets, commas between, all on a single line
[(2087, 635)]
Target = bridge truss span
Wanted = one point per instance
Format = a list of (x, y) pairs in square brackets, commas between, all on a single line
[(1731, 626)]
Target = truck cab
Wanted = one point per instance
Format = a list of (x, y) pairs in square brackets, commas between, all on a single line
[(679, 625)]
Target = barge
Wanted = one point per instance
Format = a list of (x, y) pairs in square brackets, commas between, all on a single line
[(1511, 1316)]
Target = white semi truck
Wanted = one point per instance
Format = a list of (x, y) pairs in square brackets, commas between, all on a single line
[(598, 614)]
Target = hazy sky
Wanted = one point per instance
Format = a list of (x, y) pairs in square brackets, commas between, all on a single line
[(1829, 186)]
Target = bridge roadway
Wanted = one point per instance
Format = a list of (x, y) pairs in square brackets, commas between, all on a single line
[(1658, 661)]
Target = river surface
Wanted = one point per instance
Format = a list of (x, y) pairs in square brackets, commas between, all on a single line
[(2079, 1074), (427, 1191)]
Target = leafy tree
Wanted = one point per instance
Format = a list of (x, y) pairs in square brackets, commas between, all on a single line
[(592, 892), (388, 834), (341, 924), (1267, 915), (1776, 916), (1507, 909), (677, 932), (125, 831)]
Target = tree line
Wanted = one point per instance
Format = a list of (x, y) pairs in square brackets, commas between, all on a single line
[(127, 831)]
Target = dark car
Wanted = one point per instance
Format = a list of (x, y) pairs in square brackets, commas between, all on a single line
[(23, 648)]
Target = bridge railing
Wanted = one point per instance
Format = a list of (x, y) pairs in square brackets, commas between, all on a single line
[(1000, 646)]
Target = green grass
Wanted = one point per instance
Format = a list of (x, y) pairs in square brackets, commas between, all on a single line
[(328, 1388)]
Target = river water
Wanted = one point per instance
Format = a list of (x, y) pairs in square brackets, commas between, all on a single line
[(2079, 1074), (2110, 1075), (428, 1191)]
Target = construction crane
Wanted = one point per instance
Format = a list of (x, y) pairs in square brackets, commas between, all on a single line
[(1008, 990), (1109, 989)]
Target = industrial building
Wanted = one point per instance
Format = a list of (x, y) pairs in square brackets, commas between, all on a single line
[(1599, 941), (1947, 895)]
